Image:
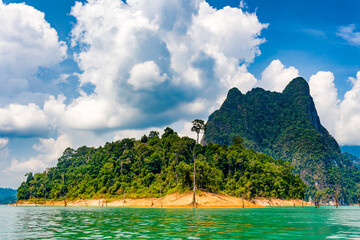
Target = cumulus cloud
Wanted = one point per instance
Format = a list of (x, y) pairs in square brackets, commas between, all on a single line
[(324, 93), (189, 57), (50, 150), (27, 42), (150, 63), (23, 120), (147, 68), (275, 77), (348, 130), (350, 34), (146, 76), (341, 118), (228, 31)]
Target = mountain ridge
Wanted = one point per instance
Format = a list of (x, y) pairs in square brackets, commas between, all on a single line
[(286, 125)]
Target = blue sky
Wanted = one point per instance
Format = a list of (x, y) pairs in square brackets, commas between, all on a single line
[(105, 70)]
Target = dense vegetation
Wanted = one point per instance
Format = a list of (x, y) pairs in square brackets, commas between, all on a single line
[(155, 166), (7, 196), (286, 125)]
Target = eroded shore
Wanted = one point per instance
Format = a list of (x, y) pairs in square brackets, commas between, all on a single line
[(175, 200)]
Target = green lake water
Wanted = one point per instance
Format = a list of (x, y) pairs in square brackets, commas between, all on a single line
[(142, 223)]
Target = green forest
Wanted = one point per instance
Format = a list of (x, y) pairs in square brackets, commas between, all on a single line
[(158, 165)]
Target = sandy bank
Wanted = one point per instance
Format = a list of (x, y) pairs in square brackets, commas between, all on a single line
[(203, 199)]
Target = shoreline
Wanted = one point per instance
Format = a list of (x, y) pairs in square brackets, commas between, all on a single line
[(175, 200)]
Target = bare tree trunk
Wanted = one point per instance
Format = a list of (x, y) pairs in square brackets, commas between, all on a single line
[(152, 193), (336, 198), (293, 199), (193, 202), (176, 163)]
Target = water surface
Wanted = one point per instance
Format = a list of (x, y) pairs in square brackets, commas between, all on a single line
[(142, 223)]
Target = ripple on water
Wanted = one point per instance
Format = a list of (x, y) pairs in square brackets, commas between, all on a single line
[(143, 223)]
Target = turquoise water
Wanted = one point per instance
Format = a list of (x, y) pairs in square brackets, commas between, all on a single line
[(141, 223)]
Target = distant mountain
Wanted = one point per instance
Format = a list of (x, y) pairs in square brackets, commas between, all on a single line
[(286, 125), (7, 196), (354, 150)]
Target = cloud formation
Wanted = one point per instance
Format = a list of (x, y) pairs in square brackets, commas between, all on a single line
[(341, 118), (27, 42), (23, 121), (324, 93), (150, 64), (275, 77), (146, 76), (350, 34), (50, 150), (148, 67)]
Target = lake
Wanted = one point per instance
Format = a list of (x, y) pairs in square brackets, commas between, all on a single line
[(141, 223)]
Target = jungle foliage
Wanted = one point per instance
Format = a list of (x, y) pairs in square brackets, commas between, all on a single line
[(154, 166)]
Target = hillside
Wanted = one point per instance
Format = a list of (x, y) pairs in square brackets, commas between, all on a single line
[(286, 125), (155, 167)]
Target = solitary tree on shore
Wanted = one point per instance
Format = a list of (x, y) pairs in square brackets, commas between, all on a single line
[(198, 127)]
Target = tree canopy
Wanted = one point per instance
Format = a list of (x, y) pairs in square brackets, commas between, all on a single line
[(140, 168)]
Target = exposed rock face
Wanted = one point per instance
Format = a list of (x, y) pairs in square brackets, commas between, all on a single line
[(285, 125)]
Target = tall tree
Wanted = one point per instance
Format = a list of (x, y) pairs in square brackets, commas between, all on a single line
[(198, 127)]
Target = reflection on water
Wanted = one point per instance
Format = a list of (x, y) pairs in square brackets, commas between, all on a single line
[(138, 223)]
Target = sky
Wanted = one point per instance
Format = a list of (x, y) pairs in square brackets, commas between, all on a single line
[(77, 73)]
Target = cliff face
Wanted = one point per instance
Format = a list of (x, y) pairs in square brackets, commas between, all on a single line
[(285, 125)]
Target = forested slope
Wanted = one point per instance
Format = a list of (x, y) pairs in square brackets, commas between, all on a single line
[(153, 166), (286, 125)]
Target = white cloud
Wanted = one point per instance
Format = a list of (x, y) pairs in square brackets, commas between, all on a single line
[(182, 127), (136, 133), (151, 64), (146, 76), (243, 4), (341, 118), (276, 77), (349, 34), (185, 130), (324, 93), (23, 120), (50, 150), (229, 31), (189, 59), (27, 42), (91, 113), (348, 129)]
